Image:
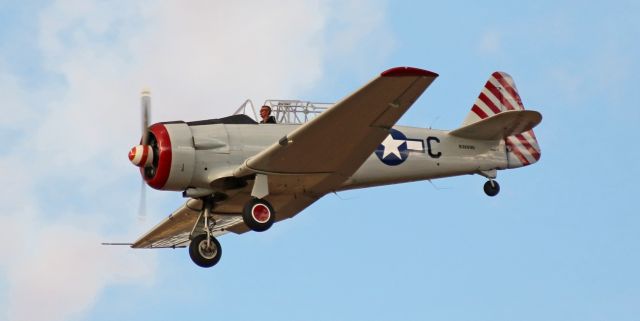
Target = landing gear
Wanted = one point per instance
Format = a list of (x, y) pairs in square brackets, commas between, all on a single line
[(205, 251), (491, 188), (258, 215)]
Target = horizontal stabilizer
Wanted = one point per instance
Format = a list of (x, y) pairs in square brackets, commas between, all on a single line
[(499, 126)]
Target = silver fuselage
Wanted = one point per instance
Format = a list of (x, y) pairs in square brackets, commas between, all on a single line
[(435, 154)]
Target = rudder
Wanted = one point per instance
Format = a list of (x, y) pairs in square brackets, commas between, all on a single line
[(498, 95)]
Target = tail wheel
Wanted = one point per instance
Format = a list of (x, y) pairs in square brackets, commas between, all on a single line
[(491, 188), (205, 254), (258, 215)]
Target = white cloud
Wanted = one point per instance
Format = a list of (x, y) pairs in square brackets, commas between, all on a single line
[(200, 60), (55, 262), (64, 268)]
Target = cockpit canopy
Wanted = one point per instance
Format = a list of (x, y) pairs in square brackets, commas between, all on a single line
[(285, 111)]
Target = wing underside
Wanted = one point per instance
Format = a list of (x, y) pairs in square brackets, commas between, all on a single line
[(176, 230)]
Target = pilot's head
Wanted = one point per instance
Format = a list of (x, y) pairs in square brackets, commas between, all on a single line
[(265, 112)]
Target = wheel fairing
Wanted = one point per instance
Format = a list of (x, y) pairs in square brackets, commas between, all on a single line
[(260, 213)]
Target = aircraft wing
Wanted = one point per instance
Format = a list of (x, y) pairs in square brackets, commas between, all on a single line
[(340, 139), (175, 230)]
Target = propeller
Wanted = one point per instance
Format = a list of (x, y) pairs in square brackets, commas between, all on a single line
[(142, 210), (145, 104)]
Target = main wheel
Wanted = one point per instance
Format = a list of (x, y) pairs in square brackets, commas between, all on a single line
[(491, 188), (258, 215), (203, 255)]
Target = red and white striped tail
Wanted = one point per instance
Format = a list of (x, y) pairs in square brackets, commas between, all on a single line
[(500, 94)]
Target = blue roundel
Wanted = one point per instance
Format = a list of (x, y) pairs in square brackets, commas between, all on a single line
[(393, 149)]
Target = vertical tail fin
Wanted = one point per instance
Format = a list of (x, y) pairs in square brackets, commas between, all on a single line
[(500, 94)]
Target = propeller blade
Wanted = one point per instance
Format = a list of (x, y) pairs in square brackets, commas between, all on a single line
[(142, 211), (146, 106), (145, 103)]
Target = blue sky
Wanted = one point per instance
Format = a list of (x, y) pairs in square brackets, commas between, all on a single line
[(560, 242)]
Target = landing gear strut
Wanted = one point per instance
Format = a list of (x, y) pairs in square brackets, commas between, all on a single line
[(258, 215), (205, 250)]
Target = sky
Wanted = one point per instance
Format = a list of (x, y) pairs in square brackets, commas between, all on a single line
[(560, 241)]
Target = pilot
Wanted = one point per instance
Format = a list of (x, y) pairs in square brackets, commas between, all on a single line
[(265, 114)]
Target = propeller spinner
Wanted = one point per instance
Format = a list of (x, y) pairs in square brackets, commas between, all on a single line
[(141, 155)]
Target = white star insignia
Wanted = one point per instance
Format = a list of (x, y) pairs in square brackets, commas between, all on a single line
[(391, 147)]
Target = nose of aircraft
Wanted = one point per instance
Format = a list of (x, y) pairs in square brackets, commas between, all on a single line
[(141, 155)]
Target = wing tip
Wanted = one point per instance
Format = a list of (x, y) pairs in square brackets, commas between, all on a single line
[(408, 72)]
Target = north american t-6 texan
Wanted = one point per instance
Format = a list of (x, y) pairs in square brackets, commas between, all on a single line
[(239, 175)]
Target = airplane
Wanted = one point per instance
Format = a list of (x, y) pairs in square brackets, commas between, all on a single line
[(239, 175)]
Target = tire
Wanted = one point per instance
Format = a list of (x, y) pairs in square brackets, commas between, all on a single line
[(258, 215), (199, 255), (491, 190)]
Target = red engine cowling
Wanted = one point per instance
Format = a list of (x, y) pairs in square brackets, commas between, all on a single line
[(173, 157)]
